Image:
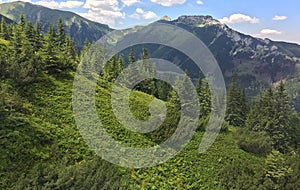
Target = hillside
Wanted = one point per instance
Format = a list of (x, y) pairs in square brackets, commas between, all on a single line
[(78, 27), (7, 20), (43, 147)]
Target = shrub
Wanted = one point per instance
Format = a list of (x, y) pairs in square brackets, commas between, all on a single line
[(254, 142)]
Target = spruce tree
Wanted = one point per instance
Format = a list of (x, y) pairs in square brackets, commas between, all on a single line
[(4, 30), (272, 115), (236, 105), (204, 96), (131, 56), (49, 54), (61, 32), (38, 38), (282, 112)]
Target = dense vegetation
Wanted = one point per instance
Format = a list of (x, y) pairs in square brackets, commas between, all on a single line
[(41, 147)]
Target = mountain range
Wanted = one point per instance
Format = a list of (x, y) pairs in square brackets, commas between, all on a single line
[(256, 62)]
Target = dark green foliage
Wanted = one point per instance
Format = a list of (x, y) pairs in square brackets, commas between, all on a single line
[(88, 174), (240, 174), (131, 56), (293, 162), (204, 96), (295, 130), (113, 68), (276, 171), (237, 107), (272, 115), (61, 32), (30, 53), (254, 142), (4, 30)]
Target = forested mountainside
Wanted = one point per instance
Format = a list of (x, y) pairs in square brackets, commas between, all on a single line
[(41, 147), (256, 62), (76, 26)]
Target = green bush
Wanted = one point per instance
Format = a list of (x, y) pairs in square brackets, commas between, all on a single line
[(254, 142), (202, 124)]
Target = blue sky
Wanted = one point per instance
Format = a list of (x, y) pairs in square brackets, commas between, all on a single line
[(274, 19)]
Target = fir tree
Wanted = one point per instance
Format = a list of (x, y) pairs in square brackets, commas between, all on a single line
[(131, 56), (61, 32), (4, 30), (236, 105)]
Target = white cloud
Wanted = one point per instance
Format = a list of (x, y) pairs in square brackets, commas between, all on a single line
[(129, 2), (239, 18), (29, 1), (168, 3), (141, 14), (103, 11), (135, 16), (279, 18), (149, 15), (200, 2), (60, 5), (270, 32), (71, 4), (139, 10)]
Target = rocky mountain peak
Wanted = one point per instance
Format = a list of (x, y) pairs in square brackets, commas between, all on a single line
[(166, 18), (198, 20)]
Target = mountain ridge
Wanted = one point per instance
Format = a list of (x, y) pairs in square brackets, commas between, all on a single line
[(77, 26)]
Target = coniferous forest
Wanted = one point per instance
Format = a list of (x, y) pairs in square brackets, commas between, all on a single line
[(41, 147)]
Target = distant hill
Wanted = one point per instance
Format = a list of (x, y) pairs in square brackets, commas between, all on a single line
[(262, 59), (78, 27)]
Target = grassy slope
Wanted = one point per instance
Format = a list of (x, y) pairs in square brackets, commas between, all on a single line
[(43, 131)]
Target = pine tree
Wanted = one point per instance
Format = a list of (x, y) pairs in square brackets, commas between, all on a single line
[(38, 38), (23, 63), (61, 32), (277, 172), (282, 112), (16, 50), (131, 56), (236, 105), (253, 121), (22, 22), (4, 30), (272, 115), (49, 54), (204, 96), (85, 48), (30, 33)]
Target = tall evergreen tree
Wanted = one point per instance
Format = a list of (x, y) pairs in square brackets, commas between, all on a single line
[(22, 22), (131, 56), (204, 96), (236, 105), (49, 50), (279, 133), (38, 38), (61, 32), (272, 115), (4, 30)]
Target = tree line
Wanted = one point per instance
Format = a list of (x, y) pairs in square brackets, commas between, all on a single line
[(26, 51)]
